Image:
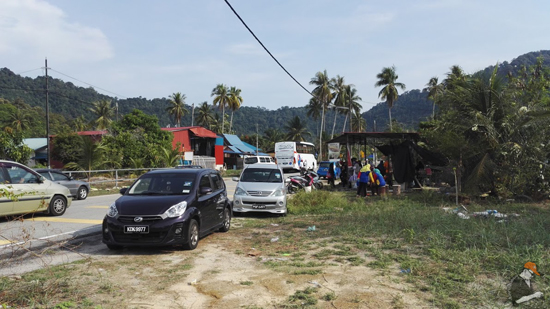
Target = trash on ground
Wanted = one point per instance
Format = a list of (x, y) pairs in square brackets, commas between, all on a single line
[(462, 213), (315, 283), (274, 224), (274, 239), (405, 271), (311, 228)]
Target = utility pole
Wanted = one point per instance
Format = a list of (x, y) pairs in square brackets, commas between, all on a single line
[(192, 113), (256, 139), (47, 116)]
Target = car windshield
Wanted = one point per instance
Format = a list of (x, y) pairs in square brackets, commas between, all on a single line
[(324, 164), (162, 184), (261, 175)]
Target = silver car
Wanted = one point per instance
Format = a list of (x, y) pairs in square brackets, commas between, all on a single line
[(260, 188), (79, 189), (24, 191)]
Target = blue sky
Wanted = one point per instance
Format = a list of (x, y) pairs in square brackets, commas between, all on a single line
[(155, 48)]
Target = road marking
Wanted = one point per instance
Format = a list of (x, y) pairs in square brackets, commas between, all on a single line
[(100, 207), (5, 242), (68, 220)]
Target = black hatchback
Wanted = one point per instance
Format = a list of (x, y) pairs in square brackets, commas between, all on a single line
[(168, 207)]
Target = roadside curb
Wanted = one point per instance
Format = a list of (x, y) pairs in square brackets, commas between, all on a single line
[(30, 247)]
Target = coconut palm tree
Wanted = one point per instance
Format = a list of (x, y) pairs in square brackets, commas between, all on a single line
[(434, 90), (234, 103), (91, 158), (20, 120), (221, 98), (79, 124), (358, 123), (272, 136), (176, 108), (323, 93), (104, 113), (205, 117), (354, 107), (388, 80), (296, 131)]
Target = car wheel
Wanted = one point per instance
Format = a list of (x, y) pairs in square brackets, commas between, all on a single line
[(82, 193), (226, 220), (58, 205), (192, 235), (114, 247)]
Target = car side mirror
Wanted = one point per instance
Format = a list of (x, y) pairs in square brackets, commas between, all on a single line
[(235, 179), (71, 178), (41, 179), (123, 190), (205, 190)]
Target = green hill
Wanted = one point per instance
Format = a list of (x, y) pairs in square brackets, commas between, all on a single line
[(68, 101)]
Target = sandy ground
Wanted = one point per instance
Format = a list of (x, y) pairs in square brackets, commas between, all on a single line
[(226, 271)]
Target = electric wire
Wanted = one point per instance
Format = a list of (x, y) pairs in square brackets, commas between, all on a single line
[(29, 71), (89, 84), (265, 48)]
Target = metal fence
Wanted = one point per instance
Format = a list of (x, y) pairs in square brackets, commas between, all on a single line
[(126, 175)]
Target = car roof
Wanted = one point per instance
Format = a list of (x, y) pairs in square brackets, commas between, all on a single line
[(263, 165), (183, 171)]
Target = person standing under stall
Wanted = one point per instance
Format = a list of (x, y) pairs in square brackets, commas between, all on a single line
[(331, 175), (379, 182), (364, 180), (344, 177)]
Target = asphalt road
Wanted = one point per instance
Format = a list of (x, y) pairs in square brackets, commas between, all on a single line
[(82, 219)]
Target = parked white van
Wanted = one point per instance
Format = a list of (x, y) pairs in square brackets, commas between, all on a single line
[(257, 159)]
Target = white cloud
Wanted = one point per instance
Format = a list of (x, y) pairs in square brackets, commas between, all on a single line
[(34, 28)]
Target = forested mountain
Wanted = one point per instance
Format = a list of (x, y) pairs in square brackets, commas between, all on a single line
[(68, 102)]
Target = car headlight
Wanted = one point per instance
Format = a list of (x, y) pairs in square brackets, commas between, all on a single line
[(240, 191), (278, 192), (112, 212), (176, 210)]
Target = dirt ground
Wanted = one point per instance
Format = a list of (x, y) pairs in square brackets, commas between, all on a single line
[(226, 271), (258, 267)]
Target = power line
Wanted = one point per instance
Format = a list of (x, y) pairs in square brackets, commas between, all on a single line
[(265, 48), (29, 71), (118, 95)]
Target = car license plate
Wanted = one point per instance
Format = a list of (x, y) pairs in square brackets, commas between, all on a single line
[(142, 229), (258, 206)]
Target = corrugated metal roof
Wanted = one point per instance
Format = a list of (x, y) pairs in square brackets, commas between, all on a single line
[(36, 143)]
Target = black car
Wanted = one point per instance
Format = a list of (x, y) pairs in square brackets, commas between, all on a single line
[(168, 207)]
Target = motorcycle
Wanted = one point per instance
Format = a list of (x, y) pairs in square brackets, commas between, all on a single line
[(298, 183), (316, 180)]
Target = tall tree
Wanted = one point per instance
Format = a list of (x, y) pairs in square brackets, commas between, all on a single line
[(20, 120), (323, 93), (205, 117), (221, 98), (176, 108), (388, 80), (296, 131), (354, 107), (272, 136), (103, 112), (434, 89), (234, 103)]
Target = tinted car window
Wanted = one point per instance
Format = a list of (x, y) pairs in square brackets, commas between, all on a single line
[(162, 184), (250, 160), (19, 174), (261, 175), (205, 182), (324, 164), (59, 176), (46, 174), (217, 181)]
